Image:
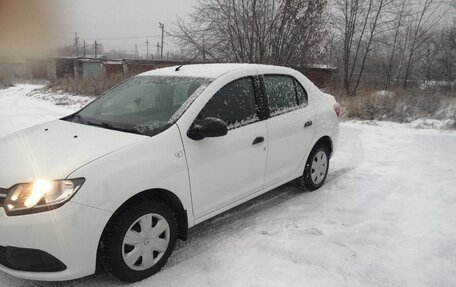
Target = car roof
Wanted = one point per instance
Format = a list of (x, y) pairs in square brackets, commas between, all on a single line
[(211, 70)]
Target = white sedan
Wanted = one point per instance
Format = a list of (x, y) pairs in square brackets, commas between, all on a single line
[(113, 186)]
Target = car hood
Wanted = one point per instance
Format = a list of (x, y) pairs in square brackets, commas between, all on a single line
[(53, 150)]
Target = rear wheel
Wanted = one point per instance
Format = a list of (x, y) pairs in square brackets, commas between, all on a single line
[(140, 240), (316, 169)]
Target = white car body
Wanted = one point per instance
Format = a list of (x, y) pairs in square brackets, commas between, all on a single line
[(207, 177)]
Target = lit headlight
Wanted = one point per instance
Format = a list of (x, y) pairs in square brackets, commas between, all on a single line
[(42, 195)]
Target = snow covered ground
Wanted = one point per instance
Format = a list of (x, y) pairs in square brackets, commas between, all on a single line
[(385, 217), (25, 105)]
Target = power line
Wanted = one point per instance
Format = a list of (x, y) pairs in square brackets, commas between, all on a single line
[(101, 25), (117, 38)]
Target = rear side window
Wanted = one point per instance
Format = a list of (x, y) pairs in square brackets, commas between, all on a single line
[(234, 104), (281, 92), (302, 94)]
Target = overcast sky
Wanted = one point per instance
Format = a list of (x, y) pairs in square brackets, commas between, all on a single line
[(120, 24)]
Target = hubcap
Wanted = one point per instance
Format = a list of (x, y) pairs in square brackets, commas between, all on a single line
[(146, 241), (319, 167)]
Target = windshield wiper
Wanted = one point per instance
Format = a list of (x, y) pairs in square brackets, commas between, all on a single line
[(79, 117), (112, 127)]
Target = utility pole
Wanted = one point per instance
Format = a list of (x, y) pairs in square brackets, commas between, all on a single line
[(158, 49), (136, 51), (96, 49), (162, 26), (204, 51), (84, 48), (76, 44), (147, 49)]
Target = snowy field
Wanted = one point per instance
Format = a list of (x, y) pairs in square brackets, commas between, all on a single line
[(385, 217)]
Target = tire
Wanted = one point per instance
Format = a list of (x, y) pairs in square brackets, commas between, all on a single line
[(316, 169), (121, 251)]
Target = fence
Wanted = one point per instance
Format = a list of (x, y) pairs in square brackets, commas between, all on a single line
[(81, 67)]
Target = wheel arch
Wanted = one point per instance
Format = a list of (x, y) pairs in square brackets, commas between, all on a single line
[(304, 178), (326, 141), (158, 194)]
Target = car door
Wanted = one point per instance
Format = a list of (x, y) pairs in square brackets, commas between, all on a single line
[(290, 127), (227, 169)]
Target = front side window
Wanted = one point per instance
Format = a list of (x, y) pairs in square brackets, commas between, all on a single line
[(234, 104), (145, 105), (281, 93)]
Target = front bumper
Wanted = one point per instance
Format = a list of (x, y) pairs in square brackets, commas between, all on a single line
[(31, 260), (69, 234)]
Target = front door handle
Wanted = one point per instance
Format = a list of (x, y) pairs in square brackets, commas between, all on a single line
[(258, 140), (308, 124)]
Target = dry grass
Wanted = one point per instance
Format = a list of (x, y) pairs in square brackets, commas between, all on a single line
[(400, 106), (5, 80), (85, 86)]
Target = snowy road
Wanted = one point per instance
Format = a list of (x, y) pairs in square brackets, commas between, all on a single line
[(385, 217)]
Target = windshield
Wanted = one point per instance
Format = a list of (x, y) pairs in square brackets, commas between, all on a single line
[(144, 105)]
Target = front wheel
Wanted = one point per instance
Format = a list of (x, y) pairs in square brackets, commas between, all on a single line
[(316, 169), (140, 240)]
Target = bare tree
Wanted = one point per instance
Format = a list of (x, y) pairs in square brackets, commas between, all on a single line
[(360, 23), (398, 25), (428, 60), (429, 14), (447, 59), (282, 32), (437, 62)]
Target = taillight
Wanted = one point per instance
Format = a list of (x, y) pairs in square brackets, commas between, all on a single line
[(337, 109)]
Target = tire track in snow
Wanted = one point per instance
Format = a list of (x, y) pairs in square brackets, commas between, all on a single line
[(206, 234)]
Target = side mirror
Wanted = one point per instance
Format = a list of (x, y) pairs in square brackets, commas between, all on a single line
[(207, 128)]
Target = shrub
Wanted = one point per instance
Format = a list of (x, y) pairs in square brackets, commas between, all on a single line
[(5, 80), (399, 105)]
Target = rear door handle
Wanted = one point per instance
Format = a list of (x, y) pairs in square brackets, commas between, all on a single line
[(308, 124), (258, 140)]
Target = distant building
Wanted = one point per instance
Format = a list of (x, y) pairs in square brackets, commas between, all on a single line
[(13, 68), (60, 67), (90, 68), (320, 75)]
